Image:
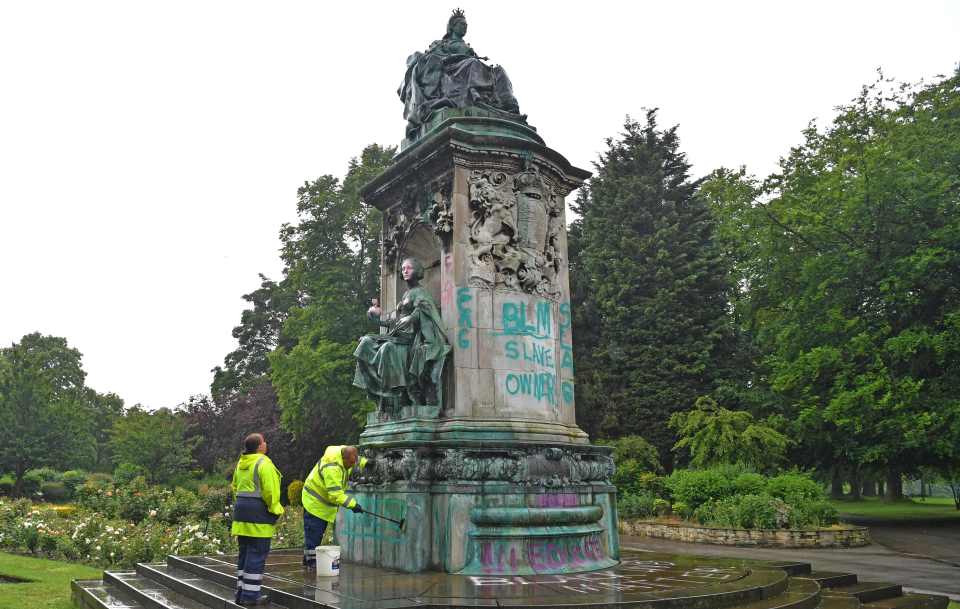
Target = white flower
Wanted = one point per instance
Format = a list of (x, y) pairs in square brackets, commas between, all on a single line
[(97, 548), (153, 513)]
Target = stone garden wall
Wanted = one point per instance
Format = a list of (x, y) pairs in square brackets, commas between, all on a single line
[(847, 537)]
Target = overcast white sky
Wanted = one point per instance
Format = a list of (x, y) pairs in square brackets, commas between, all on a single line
[(150, 151)]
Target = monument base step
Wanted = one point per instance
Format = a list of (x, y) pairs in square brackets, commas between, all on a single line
[(653, 580)]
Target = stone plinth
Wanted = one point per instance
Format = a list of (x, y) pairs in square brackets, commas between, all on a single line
[(495, 478)]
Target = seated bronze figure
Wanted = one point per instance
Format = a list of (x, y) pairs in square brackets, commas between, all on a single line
[(404, 366), (449, 74)]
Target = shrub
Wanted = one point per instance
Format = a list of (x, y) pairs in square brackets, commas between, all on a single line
[(636, 505), (813, 514), (126, 472), (637, 449), (696, 487), (719, 512), (54, 492), (214, 500), (649, 482), (762, 512), (661, 507), (72, 480), (31, 482), (175, 507), (749, 483), (627, 476), (97, 496), (681, 509), (135, 500), (47, 474), (293, 492), (100, 479), (795, 487), (6, 485)]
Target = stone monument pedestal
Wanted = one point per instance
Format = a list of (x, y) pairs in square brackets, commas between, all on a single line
[(495, 477)]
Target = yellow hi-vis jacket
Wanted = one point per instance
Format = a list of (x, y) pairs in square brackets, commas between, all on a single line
[(256, 489), (325, 488)]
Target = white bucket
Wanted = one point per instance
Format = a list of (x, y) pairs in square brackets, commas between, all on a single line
[(328, 561)]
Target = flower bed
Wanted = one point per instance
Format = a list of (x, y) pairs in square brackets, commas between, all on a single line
[(838, 536), (121, 526)]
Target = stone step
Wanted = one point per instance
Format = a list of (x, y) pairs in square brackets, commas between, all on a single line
[(910, 600), (868, 592), (799, 594), (791, 567), (152, 594), (831, 579), (832, 600), (95, 594), (214, 589)]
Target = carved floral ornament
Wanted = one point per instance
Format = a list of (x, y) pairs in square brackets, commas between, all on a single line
[(420, 205), (547, 467), (514, 232)]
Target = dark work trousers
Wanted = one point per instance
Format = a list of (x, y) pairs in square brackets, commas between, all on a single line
[(313, 530), (253, 557)]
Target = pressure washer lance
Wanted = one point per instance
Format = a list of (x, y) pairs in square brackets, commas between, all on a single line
[(399, 523)]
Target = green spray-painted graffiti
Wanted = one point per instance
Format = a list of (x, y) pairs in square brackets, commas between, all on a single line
[(515, 320), (464, 317), (540, 385)]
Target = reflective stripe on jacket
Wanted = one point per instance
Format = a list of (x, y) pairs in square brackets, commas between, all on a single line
[(256, 486), (325, 488)]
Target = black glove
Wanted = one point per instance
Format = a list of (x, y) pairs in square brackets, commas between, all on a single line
[(357, 509)]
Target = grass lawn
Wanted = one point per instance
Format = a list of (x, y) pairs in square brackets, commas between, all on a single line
[(50, 588), (909, 509)]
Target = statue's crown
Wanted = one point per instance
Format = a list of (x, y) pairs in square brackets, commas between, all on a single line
[(529, 179), (458, 14)]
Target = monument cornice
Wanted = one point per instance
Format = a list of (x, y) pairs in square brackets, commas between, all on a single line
[(469, 136)]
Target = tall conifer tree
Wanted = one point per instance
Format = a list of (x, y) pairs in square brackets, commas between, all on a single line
[(653, 283)]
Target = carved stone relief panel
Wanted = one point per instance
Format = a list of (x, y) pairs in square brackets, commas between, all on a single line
[(515, 232)]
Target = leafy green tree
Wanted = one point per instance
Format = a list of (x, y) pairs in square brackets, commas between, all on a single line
[(155, 441), (655, 284), (332, 258), (586, 331), (714, 435), (103, 411), (300, 333), (42, 409), (853, 283), (257, 335)]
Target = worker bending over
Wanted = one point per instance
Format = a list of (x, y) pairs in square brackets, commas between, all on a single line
[(324, 492)]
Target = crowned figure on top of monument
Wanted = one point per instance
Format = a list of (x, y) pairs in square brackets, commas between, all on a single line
[(449, 74)]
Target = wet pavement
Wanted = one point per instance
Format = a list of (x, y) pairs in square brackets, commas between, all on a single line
[(873, 562), (753, 579), (640, 577), (938, 541)]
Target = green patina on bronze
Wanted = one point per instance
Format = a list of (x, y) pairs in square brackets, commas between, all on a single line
[(449, 74), (404, 367)]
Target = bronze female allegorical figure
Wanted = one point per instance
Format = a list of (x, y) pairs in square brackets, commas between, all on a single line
[(405, 365)]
